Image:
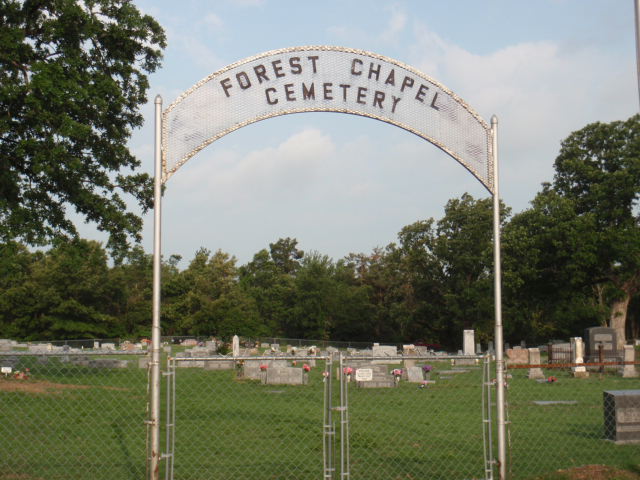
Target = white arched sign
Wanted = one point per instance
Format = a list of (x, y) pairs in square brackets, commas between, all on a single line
[(322, 79)]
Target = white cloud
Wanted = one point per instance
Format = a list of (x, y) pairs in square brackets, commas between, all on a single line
[(396, 25), (213, 20), (241, 180), (200, 53), (539, 90), (248, 3)]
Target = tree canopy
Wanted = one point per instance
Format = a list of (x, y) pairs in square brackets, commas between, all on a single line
[(72, 79)]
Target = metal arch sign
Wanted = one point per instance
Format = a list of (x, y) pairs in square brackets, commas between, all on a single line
[(321, 79), (325, 79)]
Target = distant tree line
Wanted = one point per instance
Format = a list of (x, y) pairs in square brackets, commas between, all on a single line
[(570, 261), (73, 76)]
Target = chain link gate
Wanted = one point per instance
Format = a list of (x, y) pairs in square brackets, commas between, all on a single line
[(229, 417), (249, 417)]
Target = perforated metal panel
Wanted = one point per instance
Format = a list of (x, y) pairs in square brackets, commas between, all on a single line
[(325, 79)]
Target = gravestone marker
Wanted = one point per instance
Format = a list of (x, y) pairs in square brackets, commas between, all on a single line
[(622, 416), (468, 342), (414, 374), (577, 356), (235, 346), (605, 336), (534, 359), (517, 356), (386, 351), (629, 370), (285, 376)]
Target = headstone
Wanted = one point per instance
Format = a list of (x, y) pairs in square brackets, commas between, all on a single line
[(468, 342), (414, 374), (577, 356), (108, 363), (235, 346), (629, 369), (108, 346), (275, 347), (517, 356), (96, 345), (386, 351), (478, 348), (605, 336), (409, 350), (622, 416), (490, 347), (370, 375), (534, 359), (143, 362), (285, 376), (219, 365), (409, 363)]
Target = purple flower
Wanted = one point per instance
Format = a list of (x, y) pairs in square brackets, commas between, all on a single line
[(427, 368)]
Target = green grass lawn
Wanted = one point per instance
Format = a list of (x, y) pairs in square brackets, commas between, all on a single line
[(71, 422)]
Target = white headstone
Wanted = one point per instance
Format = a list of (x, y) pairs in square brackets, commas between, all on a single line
[(629, 370), (235, 346), (469, 343), (577, 356), (534, 359)]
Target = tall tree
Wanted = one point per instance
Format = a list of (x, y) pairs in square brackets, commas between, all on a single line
[(598, 169), (72, 79), (549, 255)]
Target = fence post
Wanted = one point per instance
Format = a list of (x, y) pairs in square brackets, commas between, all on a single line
[(154, 420)]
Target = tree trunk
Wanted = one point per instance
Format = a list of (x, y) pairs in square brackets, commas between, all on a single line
[(618, 319)]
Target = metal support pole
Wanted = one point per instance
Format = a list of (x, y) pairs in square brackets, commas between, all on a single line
[(637, 23), (155, 326), (500, 403)]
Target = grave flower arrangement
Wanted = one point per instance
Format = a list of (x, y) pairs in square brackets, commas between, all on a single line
[(348, 371), (397, 373), (306, 368), (325, 374), (263, 367), (426, 369), (552, 379)]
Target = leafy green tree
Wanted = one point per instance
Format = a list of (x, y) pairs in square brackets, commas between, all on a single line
[(66, 295), (16, 290), (72, 79), (211, 301), (131, 295), (598, 169), (329, 303), (270, 280), (549, 254)]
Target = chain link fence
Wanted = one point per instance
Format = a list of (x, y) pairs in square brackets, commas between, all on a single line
[(253, 417), (564, 416), (291, 417), (73, 416), (83, 415), (423, 417)]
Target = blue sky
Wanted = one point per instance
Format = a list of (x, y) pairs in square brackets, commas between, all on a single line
[(342, 184)]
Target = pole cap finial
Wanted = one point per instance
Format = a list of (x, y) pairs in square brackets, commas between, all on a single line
[(494, 120), (158, 100)]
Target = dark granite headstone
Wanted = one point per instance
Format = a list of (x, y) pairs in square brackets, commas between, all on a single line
[(622, 416), (605, 336)]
